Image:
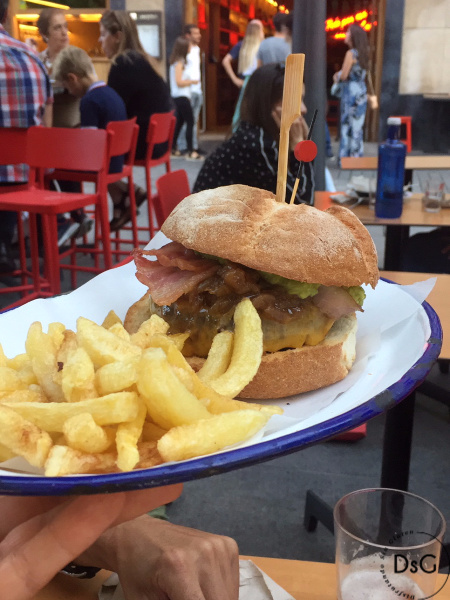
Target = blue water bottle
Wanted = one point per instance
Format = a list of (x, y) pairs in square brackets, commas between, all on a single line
[(391, 173)]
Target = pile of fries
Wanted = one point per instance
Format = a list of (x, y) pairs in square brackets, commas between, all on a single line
[(101, 400)]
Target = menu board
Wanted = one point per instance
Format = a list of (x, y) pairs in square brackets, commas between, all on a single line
[(149, 28)]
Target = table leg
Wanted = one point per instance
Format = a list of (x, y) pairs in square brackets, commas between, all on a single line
[(398, 431), (396, 235)]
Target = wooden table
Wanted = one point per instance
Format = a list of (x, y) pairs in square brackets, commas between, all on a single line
[(413, 163), (397, 230), (303, 580)]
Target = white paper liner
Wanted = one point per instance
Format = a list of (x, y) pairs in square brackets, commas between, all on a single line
[(254, 584), (391, 334)]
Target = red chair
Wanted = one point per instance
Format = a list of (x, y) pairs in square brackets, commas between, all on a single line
[(13, 144), (406, 121), (160, 131), (123, 142), (63, 149), (172, 188)]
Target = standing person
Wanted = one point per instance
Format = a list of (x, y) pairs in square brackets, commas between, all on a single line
[(250, 155), (245, 52), (143, 91), (20, 70), (193, 71), (353, 89), (180, 89), (278, 47)]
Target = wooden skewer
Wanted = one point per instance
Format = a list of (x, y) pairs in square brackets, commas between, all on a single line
[(290, 110)]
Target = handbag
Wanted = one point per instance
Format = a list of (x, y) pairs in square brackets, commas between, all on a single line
[(336, 89), (372, 99)]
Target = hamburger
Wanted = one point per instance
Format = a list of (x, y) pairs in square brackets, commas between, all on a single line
[(302, 269)]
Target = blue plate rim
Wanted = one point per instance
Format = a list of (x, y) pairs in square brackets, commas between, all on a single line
[(233, 459)]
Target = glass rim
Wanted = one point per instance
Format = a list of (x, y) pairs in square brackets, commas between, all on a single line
[(439, 537)]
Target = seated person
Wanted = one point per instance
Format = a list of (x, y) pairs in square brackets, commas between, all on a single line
[(427, 252), (99, 104), (250, 155)]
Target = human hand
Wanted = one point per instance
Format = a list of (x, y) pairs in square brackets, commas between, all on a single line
[(156, 560), (238, 82), (336, 76), (41, 535)]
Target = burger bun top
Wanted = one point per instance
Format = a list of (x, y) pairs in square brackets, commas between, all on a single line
[(246, 225)]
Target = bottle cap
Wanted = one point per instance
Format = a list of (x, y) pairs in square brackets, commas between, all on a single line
[(394, 121)]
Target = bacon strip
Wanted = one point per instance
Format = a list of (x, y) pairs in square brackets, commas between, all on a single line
[(335, 302), (176, 255), (168, 283)]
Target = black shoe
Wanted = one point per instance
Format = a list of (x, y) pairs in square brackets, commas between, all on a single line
[(200, 151)]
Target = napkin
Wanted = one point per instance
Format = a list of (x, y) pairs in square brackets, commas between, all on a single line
[(254, 585)]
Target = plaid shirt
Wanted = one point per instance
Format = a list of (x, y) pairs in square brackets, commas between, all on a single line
[(25, 89)]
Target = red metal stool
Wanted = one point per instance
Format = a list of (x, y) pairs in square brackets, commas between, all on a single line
[(13, 144), (123, 142), (66, 149), (406, 121), (160, 131), (172, 188)]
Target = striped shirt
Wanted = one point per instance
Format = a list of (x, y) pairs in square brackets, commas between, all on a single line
[(25, 89)]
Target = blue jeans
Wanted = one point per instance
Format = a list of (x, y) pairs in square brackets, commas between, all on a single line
[(196, 103)]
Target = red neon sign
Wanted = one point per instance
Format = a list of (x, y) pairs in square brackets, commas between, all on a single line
[(337, 23)]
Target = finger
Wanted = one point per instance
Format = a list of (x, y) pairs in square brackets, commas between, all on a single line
[(60, 535), (16, 510)]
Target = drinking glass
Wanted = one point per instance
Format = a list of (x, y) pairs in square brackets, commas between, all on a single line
[(388, 545), (434, 195)]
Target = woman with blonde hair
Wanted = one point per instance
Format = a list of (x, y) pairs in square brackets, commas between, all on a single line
[(143, 91), (245, 51), (180, 88)]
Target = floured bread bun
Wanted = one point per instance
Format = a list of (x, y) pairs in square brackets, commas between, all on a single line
[(302, 269), (247, 226)]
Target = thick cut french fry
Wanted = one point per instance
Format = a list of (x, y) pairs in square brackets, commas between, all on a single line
[(247, 351), (117, 376), (214, 402), (78, 376), (17, 362), (6, 453), (119, 330), (169, 403), (82, 433), (63, 460), (103, 346), (4, 362), (32, 394), (110, 319), (179, 339), (10, 380), (148, 329), (148, 455), (107, 410), (23, 437), (206, 437), (56, 333), (219, 357), (42, 350), (151, 432), (127, 437)]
